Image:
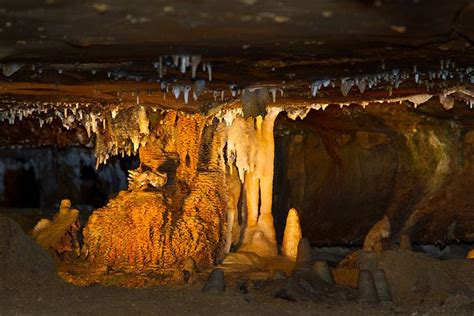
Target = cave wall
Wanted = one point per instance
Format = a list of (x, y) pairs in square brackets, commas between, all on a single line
[(344, 169)]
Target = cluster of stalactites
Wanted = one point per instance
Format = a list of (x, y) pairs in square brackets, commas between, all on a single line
[(395, 77), (122, 134)]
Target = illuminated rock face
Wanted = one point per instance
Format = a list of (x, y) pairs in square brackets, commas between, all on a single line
[(151, 228)]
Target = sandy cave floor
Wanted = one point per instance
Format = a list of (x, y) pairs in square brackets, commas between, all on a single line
[(24, 292), (62, 298)]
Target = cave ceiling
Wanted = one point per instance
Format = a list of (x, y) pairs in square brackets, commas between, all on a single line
[(113, 53)]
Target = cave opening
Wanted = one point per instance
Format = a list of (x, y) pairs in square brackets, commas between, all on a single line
[(345, 169), (336, 168), (34, 180), (21, 189)]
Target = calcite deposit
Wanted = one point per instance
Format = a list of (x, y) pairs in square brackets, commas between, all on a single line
[(61, 234), (292, 235), (162, 227)]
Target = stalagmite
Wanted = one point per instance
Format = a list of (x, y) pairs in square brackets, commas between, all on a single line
[(380, 231), (322, 270), (304, 258), (234, 188), (381, 285), (250, 146), (405, 242), (60, 234), (470, 254), (292, 235), (215, 284), (366, 288)]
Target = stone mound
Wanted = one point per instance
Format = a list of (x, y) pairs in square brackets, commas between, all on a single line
[(411, 273), (21, 258)]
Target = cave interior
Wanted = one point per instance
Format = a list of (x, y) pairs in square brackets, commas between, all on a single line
[(296, 155)]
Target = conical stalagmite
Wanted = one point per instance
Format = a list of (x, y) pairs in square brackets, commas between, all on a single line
[(381, 285), (366, 288), (405, 242), (470, 254), (304, 259), (215, 283), (292, 235), (321, 268), (374, 239)]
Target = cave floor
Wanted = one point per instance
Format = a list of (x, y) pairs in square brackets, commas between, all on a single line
[(62, 298)]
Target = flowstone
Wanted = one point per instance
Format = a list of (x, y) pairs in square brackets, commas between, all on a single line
[(159, 229)]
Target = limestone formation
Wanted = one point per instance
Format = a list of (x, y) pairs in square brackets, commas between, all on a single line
[(470, 254), (374, 239), (215, 283), (366, 288), (250, 145), (304, 260), (142, 229), (405, 242), (381, 284), (60, 234), (292, 235), (322, 270)]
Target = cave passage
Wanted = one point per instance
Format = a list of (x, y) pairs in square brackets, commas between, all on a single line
[(39, 178), (344, 170), (339, 182), (21, 189)]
